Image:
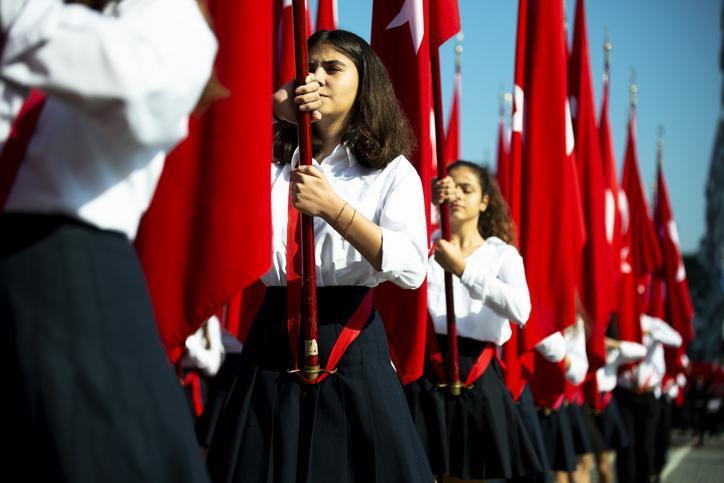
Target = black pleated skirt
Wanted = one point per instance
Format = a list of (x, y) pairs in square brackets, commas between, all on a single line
[(610, 424), (90, 394), (486, 437), (353, 427), (581, 440), (557, 434), (527, 411), (595, 438)]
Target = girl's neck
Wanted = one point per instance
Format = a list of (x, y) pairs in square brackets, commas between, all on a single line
[(466, 236), (331, 135)]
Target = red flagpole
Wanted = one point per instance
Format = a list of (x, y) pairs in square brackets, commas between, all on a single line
[(452, 337), (311, 368)]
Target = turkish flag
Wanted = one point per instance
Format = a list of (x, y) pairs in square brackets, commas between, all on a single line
[(551, 231), (327, 15), (399, 37), (284, 41), (207, 233), (640, 253), (594, 278), (519, 361), (452, 137), (679, 310), (503, 161), (612, 212)]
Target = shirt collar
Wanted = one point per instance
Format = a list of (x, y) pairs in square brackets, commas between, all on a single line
[(341, 153)]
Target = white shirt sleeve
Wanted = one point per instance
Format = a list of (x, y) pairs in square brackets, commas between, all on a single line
[(404, 233), (576, 349), (629, 352), (553, 347), (149, 64), (204, 348), (577, 369), (506, 292), (660, 331)]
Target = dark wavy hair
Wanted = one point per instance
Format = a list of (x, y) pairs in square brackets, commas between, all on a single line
[(377, 130), (496, 219)]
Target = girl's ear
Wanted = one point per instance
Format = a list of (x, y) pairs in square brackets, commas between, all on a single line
[(484, 203)]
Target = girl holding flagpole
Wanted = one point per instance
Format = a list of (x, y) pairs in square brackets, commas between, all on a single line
[(485, 435), (351, 423)]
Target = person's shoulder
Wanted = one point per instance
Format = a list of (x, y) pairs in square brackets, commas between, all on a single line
[(399, 169), (501, 247)]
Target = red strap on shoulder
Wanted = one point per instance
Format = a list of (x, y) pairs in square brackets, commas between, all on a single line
[(17, 143)]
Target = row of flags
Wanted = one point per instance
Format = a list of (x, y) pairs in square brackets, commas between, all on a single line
[(589, 246)]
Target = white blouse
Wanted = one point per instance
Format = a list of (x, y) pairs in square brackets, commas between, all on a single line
[(491, 291), (390, 197), (120, 91), (648, 374)]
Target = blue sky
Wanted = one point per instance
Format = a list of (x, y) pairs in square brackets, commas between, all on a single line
[(672, 44)]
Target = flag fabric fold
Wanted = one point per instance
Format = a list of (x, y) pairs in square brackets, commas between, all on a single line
[(640, 252), (594, 277), (327, 15), (207, 232)]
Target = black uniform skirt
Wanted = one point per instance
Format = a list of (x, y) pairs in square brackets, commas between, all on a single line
[(556, 428), (581, 440), (485, 436), (526, 409), (610, 424), (91, 394), (595, 438), (353, 427)]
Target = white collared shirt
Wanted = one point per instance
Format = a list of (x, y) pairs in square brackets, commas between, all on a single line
[(491, 291), (390, 197), (120, 89), (648, 373)]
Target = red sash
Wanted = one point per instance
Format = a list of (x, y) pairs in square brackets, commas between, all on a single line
[(17, 143), (350, 331), (438, 366)]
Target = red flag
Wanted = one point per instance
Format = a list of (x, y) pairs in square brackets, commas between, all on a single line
[(516, 136), (518, 360), (503, 161), (550, 228), (284, 41), (679, 310), (640, 253), (452, 137), (613, 215), (594, 285), (398, 37), (444, 21), (327, 15), (195, 242)]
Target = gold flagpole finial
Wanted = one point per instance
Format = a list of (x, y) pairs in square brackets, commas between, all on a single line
[(607, 46), (505, 100), (458, 49), (633, 89), (660, 145)]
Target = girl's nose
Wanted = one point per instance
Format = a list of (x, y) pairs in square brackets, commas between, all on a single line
[(321, 75)]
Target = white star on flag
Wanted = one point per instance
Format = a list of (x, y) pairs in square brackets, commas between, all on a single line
[(412, 13)]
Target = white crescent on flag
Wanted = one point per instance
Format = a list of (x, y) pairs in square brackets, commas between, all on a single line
[(518, 100), (674, 236), (610, 214), (570, 138), (412, 12)]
